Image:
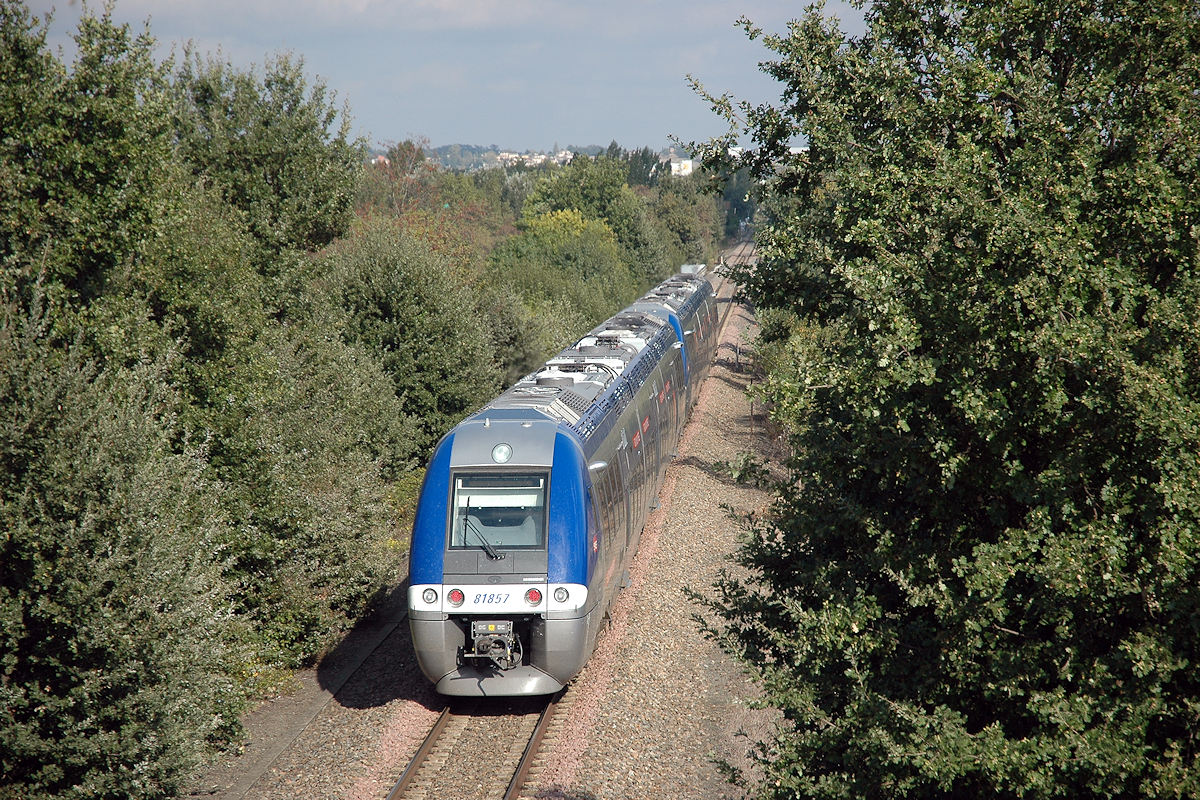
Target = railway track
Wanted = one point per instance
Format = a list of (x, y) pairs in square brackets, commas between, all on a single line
[(478, 749), (743, 253)]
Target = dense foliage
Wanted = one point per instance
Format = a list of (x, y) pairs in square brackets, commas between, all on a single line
[(599, 190), (548, 251), (118, 653), (983, 318), (404, 304), (270, 147), (198, 483)]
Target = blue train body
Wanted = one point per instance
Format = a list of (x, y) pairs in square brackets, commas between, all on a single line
[(532, 507)]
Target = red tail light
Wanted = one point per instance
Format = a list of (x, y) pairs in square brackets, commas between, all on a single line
[(533, 597), (456, 597)]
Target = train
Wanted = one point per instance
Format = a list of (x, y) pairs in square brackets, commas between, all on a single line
[(532, 508)]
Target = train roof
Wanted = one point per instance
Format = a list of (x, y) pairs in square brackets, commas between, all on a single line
[(602, 371)]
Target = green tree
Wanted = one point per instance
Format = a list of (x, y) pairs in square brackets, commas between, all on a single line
[(405, 306), (81, 153), (273, 147), (983, 579), (305, 429), (737, 198), (563, 256), (688, 217), (598, 190), (643, 167), (398, 181), (193, 462), (526, 330), (117, 648)]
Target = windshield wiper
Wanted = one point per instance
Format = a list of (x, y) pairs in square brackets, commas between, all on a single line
[(487, 546)]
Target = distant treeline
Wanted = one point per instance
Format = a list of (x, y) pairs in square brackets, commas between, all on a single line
[(226, 348)]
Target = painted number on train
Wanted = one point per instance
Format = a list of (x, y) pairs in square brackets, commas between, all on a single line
[(491, 598)]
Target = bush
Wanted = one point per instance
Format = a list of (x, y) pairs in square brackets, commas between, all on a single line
[(308, 434), (271, 145), (405, 308), (597, 190), (563, 257), (116, 646)]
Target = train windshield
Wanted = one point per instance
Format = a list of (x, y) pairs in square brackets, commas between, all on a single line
[(495, 510)]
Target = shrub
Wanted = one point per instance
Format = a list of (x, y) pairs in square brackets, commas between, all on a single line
[(116, 644), (406, 308)]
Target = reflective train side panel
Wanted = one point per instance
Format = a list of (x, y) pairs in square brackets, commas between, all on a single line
[(532, 507)]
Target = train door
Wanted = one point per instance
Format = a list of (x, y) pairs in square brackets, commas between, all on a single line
[(678, 399), (637, 471), (615, 505), (654, 443), (669, 416), (666, 422), (626, 485), (648, 466)]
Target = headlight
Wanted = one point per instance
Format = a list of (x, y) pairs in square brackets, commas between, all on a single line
[(429, 596)]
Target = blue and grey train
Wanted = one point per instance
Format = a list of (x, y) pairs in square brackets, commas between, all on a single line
[(532, 507)]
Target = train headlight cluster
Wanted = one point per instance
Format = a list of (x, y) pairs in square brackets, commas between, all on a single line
[(561, 594), (429, 596)]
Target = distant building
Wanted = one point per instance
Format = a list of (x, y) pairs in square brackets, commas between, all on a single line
[(510, 159), (679, 166), (682, 166)]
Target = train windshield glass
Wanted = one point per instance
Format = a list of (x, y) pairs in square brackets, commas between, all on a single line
[(505, 511)]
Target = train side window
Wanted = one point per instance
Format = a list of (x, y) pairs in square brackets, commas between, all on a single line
[(504, 510)]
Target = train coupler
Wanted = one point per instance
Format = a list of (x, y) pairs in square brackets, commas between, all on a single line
[(495, 640)]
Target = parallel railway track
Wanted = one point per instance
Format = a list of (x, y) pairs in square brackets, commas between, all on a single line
[(743, 253), (478, 749)]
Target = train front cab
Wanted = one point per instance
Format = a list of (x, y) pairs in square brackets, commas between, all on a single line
[(503, 597)]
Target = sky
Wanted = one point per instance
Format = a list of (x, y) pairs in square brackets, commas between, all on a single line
[(519, 74)]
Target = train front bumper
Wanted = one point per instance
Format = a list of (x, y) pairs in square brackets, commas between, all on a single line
[(476, 682), (556, 645)]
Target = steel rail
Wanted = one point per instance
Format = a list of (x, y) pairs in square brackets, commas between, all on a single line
[(535, 741), (414, 766)]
